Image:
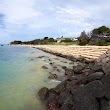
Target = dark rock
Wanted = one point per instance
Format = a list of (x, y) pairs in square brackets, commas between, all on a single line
[(52, 92), (106, 68), (86, 71), (95, 88), (53, 76), (52, 103), (69, 72), (51, 63), (95, 76), (66, 107), (44, 67), (65, 98), (107, 91), (60, 87), (41, 56), (104, 104), (64, 61), (82, 100), (106, 79), (64, 67), (43, 93), (54, 67), (97, 68), (77, 69)]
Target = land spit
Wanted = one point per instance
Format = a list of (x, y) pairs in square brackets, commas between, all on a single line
[(86, 53), (86, 87)]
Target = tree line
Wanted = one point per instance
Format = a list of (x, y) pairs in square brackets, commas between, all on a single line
[(98, 36)]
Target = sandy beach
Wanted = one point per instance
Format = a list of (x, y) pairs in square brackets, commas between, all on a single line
[(89, 53)]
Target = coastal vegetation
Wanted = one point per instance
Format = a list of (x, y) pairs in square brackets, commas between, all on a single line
[(98, 36)]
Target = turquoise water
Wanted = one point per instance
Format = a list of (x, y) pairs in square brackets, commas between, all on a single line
[(21, 78)]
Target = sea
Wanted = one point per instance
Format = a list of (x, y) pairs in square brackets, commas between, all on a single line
[(21, 77)]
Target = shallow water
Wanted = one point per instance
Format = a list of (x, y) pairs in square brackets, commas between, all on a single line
[(21, 76)]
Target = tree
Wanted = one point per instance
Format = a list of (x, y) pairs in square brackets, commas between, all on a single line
[(101, 31), (45, 38), (83, 39)]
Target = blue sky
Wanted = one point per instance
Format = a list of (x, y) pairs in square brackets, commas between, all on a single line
[(31, 19)]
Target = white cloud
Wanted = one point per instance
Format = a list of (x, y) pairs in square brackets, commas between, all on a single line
[(27, 18)]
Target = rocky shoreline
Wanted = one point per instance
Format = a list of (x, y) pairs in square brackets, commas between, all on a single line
[(86, 87)]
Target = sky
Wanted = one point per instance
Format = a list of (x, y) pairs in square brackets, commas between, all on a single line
[(32, 19)]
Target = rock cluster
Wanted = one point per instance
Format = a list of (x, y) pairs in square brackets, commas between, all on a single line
[(87, 87)]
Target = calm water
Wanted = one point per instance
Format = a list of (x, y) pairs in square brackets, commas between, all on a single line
[(21, 78)]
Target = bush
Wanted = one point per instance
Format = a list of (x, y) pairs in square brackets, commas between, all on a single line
[(67, 40), (102, 43)]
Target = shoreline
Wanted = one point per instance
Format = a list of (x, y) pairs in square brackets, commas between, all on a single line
[(84, 54), (85, 88)]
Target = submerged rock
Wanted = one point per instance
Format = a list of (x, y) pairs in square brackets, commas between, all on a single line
[(53, 76), (44, 67), (69, 72), (43, 93)]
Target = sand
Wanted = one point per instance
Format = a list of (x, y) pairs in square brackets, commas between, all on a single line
[(87, 52)]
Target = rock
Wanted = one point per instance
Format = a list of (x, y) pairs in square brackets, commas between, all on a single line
[(65, 98), (44, 67), (52, 103), (95, 88), (95, 67), (69, 72), (63, 61), (77, 69), (106, 68), (86, 71), (60, 87), (82, 100), (104, 104), (41, 56), (53, 76), (95, 76), (106, 79), (52, 92), (66, 107), (107, 91), (64, 67), (43, 93)]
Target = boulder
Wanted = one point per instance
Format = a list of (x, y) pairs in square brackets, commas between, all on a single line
[(53, 76), (60, 87), (106, 79), (44, 67), (95, 88), (104, 104), (86, 71), (82, 100), (77, 69), (107, 91), (69, 72), (95, 76), (106, 68), (43, 93), (96, 67), (65, 98), (52, 103)]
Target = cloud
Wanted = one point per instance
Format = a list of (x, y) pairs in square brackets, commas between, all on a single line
[(31, 19)]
